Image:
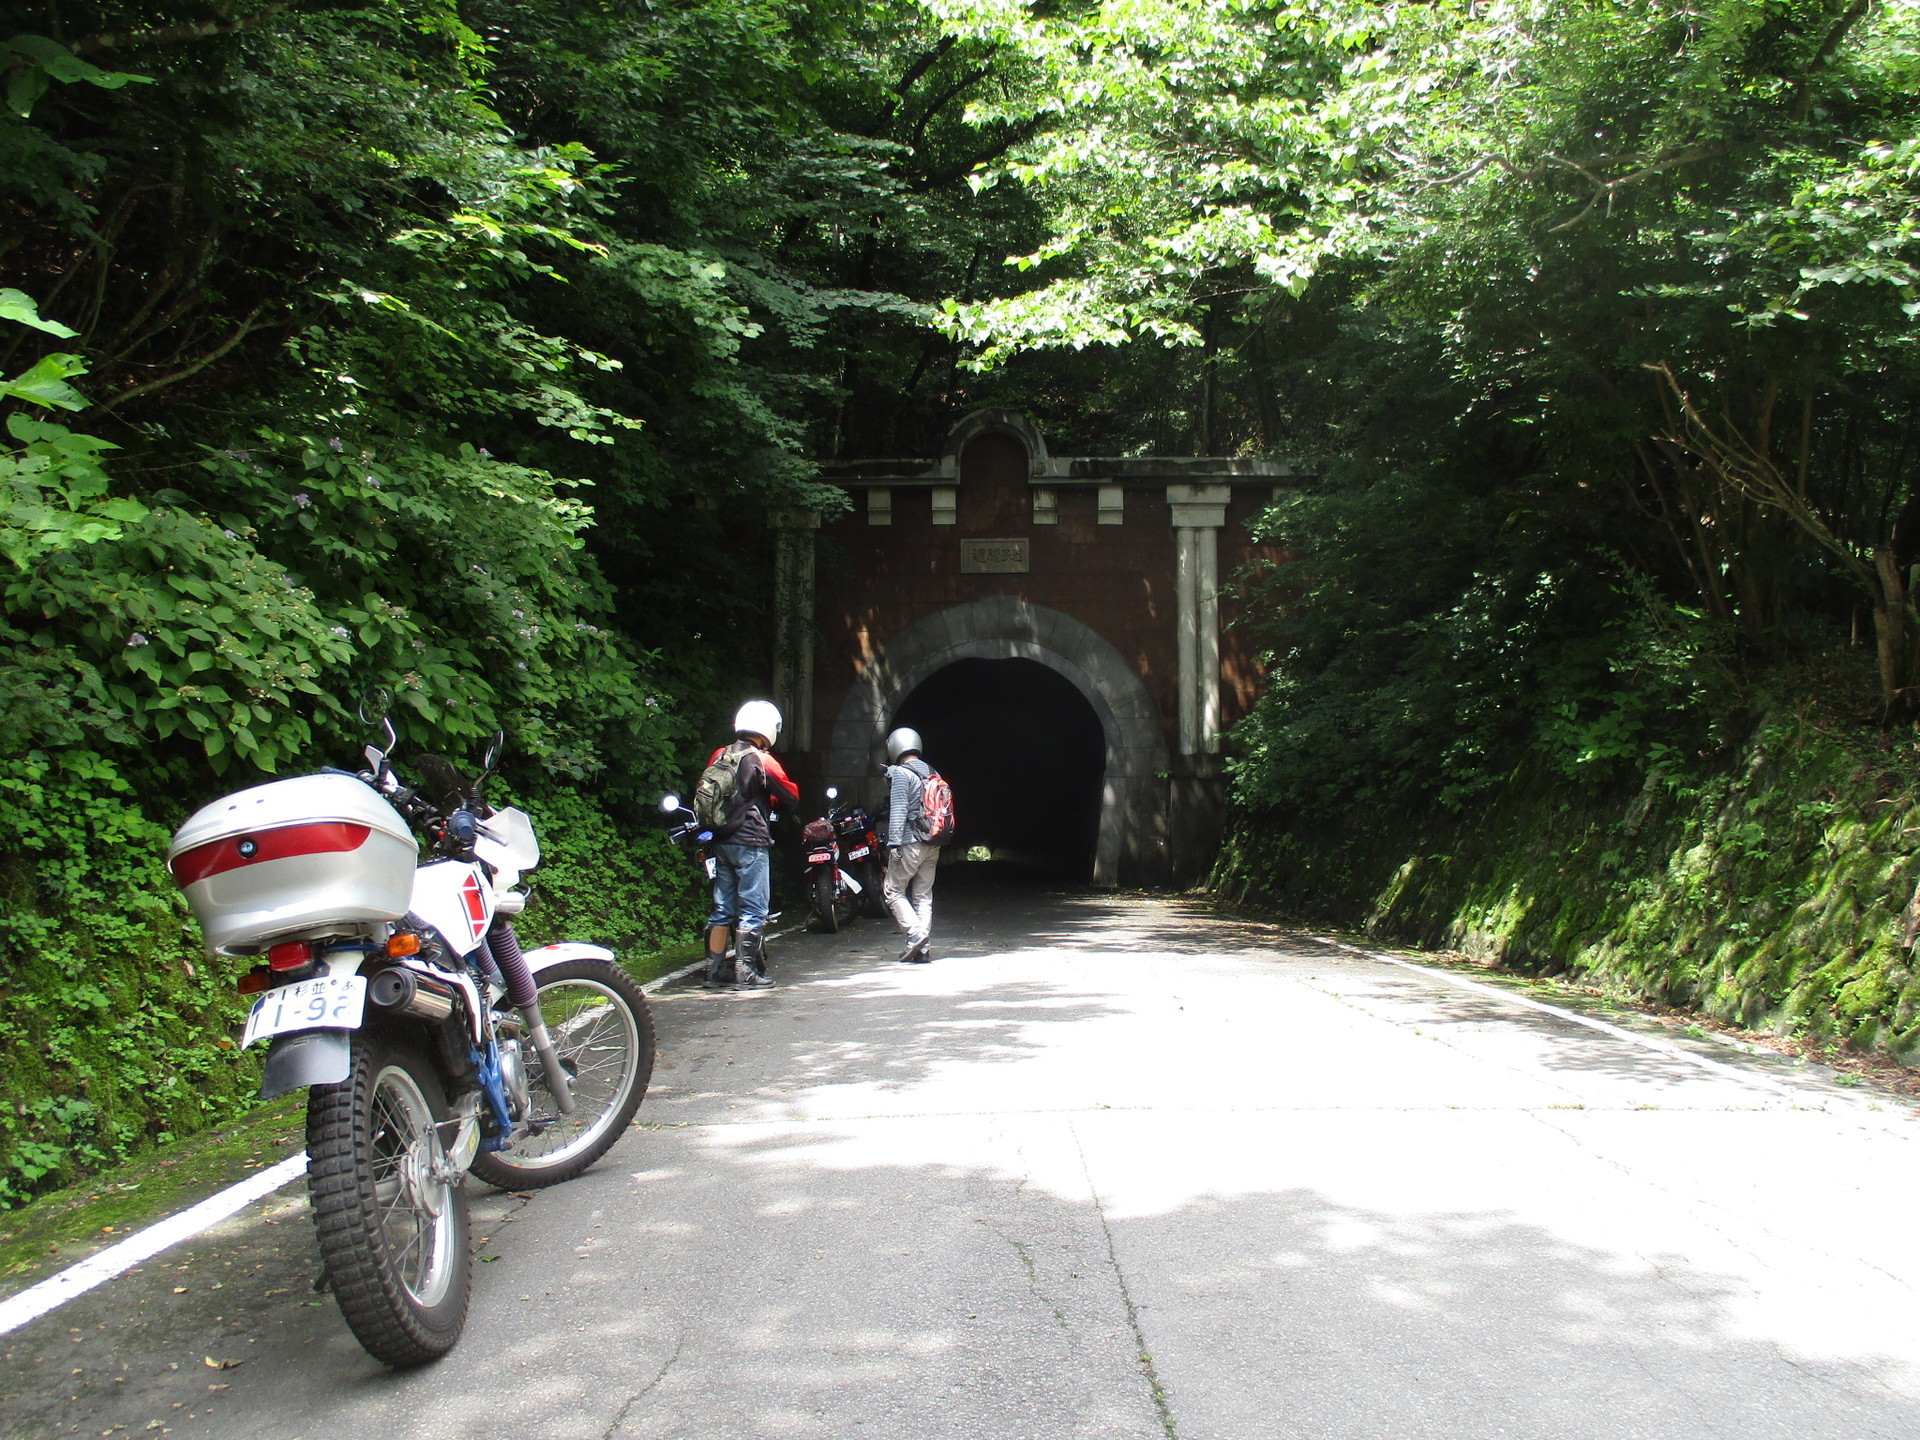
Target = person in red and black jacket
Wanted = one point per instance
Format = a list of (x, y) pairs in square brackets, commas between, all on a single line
[(743, 849)]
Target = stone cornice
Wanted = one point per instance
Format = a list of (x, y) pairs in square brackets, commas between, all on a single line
[(1129, 470)]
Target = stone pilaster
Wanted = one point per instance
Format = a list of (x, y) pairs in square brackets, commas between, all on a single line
[(1198, 513), (793, 581)]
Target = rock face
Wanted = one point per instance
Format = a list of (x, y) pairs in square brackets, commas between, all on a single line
[(1775, 888)]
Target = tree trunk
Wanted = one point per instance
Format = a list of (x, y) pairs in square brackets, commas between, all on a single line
[(1890, 624)]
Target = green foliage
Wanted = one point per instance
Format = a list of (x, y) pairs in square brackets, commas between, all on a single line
[(607, 879), (1597, 321), (56, 495), (1772, 885), (116, 1031), (432, 350)]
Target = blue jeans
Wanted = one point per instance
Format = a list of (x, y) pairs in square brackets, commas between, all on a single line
[(742, 885)]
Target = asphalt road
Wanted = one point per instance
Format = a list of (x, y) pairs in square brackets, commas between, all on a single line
[(1106, 1168)]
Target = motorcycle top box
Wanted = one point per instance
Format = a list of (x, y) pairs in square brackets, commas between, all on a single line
[(293, 857)]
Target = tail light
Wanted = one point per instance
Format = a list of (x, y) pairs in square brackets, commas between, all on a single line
[(255, 980), (290, 955)]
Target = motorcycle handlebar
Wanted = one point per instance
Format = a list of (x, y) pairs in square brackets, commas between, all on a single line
[(461, 827)]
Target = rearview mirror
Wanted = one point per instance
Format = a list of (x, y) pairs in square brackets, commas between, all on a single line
[(833, 792), (373, 707), (669, 804)]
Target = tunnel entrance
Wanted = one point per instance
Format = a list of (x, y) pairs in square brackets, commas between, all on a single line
[(1026, 756)]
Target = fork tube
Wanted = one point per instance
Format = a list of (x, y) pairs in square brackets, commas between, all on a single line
[(558, 1084), (525, 997)]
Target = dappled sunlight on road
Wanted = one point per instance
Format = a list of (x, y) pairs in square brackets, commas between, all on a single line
[(1110, 1170)]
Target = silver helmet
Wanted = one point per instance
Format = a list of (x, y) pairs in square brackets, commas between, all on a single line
[(902, 742)]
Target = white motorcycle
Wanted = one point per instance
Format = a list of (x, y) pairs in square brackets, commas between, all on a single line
[(431, 1045)]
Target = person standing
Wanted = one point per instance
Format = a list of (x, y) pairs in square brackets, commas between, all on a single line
[(736, 796), (915, 833)]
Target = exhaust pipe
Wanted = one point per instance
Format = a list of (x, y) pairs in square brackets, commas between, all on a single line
[(409, 993)]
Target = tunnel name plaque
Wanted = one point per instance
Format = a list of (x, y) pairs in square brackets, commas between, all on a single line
[(993, 557)]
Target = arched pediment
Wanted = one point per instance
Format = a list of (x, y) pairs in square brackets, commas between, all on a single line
[(994, 422)]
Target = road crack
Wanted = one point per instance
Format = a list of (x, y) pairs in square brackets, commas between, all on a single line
[(1161, 1405), (626, 1406), (1019, 1248)]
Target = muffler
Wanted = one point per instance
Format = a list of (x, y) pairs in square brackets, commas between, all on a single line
[(409, 993)]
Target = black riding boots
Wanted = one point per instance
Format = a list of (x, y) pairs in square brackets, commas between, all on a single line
[(751, 969)]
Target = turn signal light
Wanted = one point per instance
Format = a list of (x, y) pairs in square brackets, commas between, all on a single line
[(255, 980), (403, 944), (289, 955)]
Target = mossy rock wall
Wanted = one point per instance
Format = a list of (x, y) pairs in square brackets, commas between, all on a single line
[(1772, 888)]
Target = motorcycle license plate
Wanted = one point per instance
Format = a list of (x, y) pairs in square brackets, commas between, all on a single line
[(328, 1002), (859, 854), (819, 857)]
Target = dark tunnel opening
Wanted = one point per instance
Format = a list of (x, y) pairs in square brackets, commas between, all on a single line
[(1026, 756)]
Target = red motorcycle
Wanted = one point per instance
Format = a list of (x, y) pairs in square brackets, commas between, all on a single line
[(844, 865)]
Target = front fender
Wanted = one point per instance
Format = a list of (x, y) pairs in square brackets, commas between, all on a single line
[(306, 1057), (548, 956)]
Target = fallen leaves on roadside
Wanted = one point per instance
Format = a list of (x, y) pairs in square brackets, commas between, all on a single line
[(213, 1364)]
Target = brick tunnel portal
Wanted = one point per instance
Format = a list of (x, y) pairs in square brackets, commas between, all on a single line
[(1026, 756)]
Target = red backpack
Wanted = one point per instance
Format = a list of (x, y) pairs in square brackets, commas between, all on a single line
[(936, 809)]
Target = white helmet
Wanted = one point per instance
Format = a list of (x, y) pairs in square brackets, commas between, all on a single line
[(758, 717), (900, 742)]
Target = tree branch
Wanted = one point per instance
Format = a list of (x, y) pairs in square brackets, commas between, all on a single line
[(1849, 17), (908, 80), (176, 34), (957, 172), (1749, 472), (245, 328)]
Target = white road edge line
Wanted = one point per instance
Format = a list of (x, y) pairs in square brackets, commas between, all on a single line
[(1645, 1042), (56, 1290), (76, 1280)]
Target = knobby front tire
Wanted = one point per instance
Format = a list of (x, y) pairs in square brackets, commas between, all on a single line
[(602, 1031), (389, 1211)]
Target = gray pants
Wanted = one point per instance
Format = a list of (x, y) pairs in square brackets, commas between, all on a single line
[(909, 888)]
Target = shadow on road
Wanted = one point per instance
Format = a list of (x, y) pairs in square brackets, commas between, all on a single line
[(916, 1202)]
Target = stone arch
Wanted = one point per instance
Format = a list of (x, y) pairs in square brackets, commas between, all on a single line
[(1131, 840), (994, 422)]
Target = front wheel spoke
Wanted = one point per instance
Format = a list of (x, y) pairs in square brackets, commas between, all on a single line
[(596, 1034), (387, 1121), (612, 1057), (620, 1046), (414, 1243), (401, 1201)]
